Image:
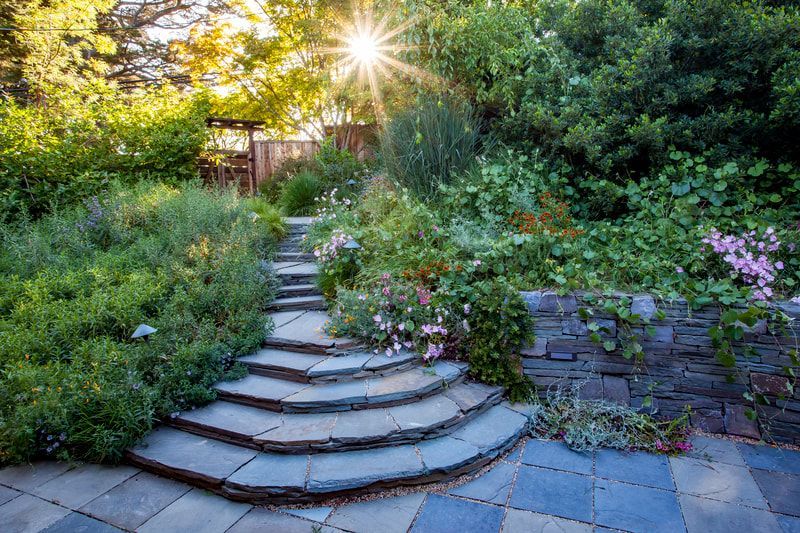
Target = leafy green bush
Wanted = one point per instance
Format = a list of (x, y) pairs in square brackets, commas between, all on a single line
[(426, 146), (611, 84), (267, 216), (74, 286), (300, 194), (55, 155), (337, 166)]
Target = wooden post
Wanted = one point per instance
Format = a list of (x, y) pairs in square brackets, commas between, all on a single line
[(251, 161)]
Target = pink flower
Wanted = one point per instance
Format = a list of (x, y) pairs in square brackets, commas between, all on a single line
[(779, 265), (377, 319), (679, 270), (477, 263)]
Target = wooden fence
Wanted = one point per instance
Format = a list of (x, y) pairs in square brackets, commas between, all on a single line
[(270, 155)]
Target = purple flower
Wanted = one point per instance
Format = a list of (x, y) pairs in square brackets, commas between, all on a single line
[(679, 270)]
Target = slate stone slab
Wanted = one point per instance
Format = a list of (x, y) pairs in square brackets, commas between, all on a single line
[(190, 456), (789, 524), (27, 477), (283, 360), (300, 430), (644, 306), (231, 419), (634, 467), (429, 412), (7, 494), (553, 492), (553, 303), (308, 330), (469, 396), (636, 509), (771, 458), (341, 365), (78, 523), (83, 484), (532, 300), (197, 511), (491, 487), (717, 481), (135, 501), (390, 515), (316, 514), (367, 425), (715, 450), (737, 423), (382, 361), (328, 395), (527, 522), (782, 491), (446, 371), (284, 317), (445, 454), (441, 513), (260, 388), (271, 472), (260, 519), (556, 455), (348, 470), (29, 514), (616, 389), (401, 386), (492, 430), (711, 516)]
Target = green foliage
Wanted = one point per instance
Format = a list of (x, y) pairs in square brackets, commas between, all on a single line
[(426, 146), (74, 286), (610, 84), (267, 216), (53, 156), (300, 194), (337, 166)]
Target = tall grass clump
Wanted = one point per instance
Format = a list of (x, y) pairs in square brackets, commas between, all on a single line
[(76, 284), (300, 193), (426, 146)]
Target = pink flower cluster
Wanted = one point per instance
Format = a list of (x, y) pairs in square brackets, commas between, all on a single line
[(436, 334), (748, 257), (329, 250), (329, 203)]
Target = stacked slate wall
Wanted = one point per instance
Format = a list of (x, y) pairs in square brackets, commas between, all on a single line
[(680, 366)]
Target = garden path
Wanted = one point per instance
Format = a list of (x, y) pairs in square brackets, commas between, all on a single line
[(720, 487), (318, 417)]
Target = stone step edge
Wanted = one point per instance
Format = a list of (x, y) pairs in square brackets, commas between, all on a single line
[(407, 436), (278, 405), (310, 302), (286, 495)]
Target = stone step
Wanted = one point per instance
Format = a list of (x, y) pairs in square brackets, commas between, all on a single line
[(289, 247), (292, 291), (272, 478), (288, 396), (295, 256), (295, 272), (305, 331), (292, 303), (316, 368), (257, 428)]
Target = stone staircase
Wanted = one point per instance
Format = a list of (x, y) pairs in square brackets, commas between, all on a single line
[(318, 417)]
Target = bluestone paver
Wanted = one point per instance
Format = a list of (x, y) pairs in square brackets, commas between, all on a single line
[(29, 514), (26, 477), (346, 470), (492, 487), (553, 492), (770, 458), (136, 500), (83, 484), (433, 411), (634, 467), (493, 428), (782, 491), (7, 494), (260, 519), (442, 513), (712, 516), (518, 521), (716, 450), (556, 455), (80, 523), (273, 471), (232, 418), (363, 425), (636, 508), (344, 364), (789, 524), (717, 481), (197, 511), (446, 453), (300, 429), (316, 514), (390, 515)]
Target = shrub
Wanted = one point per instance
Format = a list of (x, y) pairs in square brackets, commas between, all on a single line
[(267, 216), (427, 146), (337, 166), (300, 193), (74, 286)]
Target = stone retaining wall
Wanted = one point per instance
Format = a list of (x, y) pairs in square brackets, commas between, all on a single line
[(680, 366)]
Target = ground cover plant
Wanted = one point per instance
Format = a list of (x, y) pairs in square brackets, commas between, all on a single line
[(76, 284)]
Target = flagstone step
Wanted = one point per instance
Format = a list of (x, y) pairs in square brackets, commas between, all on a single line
[(290, 303), (292, 291), (305, 331), (244, 474), (306, 368), (257, 428), (294, 273), (288, 396), (295, 256)]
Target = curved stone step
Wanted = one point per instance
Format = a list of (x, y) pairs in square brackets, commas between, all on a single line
[(257, 428), (295, 256), (295, 303), (271, 478), (289, 396), (316, 368), (304, 289), (305, 331)]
